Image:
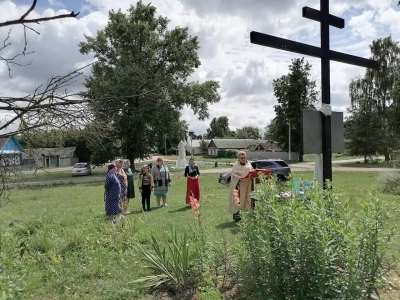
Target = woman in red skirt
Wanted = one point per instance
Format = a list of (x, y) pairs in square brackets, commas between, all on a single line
[(192, 174)]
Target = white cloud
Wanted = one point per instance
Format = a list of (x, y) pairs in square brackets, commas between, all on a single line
[(363, 25), (245, 71)]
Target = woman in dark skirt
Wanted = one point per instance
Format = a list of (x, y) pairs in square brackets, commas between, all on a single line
[(112, 193), (126, 166), (192, 174)]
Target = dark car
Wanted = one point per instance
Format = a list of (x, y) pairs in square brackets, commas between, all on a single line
[(278, 167)]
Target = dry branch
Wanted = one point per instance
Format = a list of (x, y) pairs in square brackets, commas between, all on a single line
[(11, 61), (23, 19)]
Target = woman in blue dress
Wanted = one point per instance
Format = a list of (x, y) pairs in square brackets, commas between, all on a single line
[(112, 193)]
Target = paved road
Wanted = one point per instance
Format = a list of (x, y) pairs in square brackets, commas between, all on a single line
[(307, 166)]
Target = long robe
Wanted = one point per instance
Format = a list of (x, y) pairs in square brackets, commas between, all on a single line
[(238, 171), (112, 195)]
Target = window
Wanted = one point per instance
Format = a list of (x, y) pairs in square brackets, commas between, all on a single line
[(265, 165), (282, 163)]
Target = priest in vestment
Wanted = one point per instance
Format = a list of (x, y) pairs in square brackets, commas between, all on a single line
[(240, 169)]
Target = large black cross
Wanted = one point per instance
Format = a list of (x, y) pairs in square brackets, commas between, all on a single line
[(326, 56)]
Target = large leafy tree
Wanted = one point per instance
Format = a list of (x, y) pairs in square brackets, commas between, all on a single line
[(294, 92), (362, 130), (248, 132), (376, 96), (219, 128), (144, 68)]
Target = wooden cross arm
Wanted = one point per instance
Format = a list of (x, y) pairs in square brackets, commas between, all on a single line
[(301, 48), (316, 15)]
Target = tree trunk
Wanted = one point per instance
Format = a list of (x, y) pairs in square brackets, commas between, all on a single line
[(365, 159), (387, 157), (301, 156)]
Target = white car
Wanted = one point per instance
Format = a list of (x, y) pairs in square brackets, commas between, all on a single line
[(81, 169)]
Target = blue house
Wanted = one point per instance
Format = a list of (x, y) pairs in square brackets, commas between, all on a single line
[(10, 151)]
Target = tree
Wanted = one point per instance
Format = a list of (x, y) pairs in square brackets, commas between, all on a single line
[(362, 131), (378, 90), (144, 67), (219, 128), (204, 146), (269, 132), (294, 92), (248, 132)]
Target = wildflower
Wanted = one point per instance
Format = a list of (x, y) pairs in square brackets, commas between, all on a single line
[(194, 205)]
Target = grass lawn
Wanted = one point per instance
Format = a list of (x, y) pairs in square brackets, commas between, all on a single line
[(307, 157), (361, 164), (69, 252)]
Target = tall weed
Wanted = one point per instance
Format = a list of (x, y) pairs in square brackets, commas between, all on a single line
[(312, 246), (390, 181)]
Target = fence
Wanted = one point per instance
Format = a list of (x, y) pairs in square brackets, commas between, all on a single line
[(252, 155)]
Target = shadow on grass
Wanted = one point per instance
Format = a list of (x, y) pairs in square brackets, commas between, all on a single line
[(229, 225), (185, 208)]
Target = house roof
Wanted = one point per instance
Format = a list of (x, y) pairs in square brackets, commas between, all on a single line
[(66, 152), (5, 140), (267, 145), (232, 143)]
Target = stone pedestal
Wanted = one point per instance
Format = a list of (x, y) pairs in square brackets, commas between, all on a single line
[(181, 163)]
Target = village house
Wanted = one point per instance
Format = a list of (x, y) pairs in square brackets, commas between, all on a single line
[(10, 151), (221, 145), (51, 157)]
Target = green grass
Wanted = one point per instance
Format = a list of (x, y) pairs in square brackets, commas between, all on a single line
[(361, 164), (72, 253), (306, 158)]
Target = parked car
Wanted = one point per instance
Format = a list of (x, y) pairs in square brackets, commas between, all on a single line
[(278, 167), (81, 169)]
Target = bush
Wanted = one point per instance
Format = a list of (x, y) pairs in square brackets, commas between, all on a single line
[(390, 181), (312, 247), (232, 153)]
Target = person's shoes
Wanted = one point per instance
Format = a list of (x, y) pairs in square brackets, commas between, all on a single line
[(144, 209), (149, 209), (165, 204)]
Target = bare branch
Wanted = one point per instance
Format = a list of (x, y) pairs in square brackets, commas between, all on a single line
[(38, 20), (11, 61), (22, 20)]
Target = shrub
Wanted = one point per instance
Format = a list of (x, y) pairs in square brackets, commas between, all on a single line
[(231, 153), (312, 247), (390, 181)]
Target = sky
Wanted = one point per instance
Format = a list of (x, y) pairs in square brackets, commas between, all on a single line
[(245, 71)]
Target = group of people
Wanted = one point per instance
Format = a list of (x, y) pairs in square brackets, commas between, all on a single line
[(119, 186)]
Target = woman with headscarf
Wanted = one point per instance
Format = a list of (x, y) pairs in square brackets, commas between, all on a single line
[(130, 194), (145, 184), (192, 174), (123, 181), (162, 180), (112, 192)]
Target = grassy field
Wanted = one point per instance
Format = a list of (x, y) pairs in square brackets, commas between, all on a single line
[(63, 249), (306, 158), (381, 164)]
